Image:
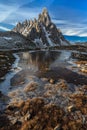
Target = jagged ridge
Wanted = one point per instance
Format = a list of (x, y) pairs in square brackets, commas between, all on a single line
[(41, 31)]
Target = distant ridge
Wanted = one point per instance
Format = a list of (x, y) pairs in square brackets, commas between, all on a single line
[(41, 31), (75, 39)]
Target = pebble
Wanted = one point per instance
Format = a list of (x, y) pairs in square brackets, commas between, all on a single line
[(52, 81), (27, 116), (71, 108), (58, 127)]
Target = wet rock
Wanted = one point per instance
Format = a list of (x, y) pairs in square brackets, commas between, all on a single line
[(52, 81), (84, 69), (1, 94), (11, 108), (2, 78), (27, 116), (58, 127), (71, 108), (18, 79), (14, 121)]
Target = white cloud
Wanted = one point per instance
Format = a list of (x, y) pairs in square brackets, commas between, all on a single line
[(6, 10), (71, 28), (74, 31), (21, 15), (56, 21), (71, 31), (84, 34), (4, 28)]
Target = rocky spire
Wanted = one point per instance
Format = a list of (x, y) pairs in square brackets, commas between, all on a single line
[(41, 31), (44, 17), (18, 27)]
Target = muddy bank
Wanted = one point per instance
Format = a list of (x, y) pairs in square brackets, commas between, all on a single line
[(79, 55), (64, 73), (6, 61), (77, 47)]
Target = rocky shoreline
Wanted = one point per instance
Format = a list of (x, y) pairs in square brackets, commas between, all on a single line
[(49, 101), (6, 61)]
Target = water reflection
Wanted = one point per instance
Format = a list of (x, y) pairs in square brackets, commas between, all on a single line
[(39, 60)]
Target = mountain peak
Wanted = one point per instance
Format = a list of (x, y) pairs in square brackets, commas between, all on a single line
[(44, 17), (44, 10), (41, 31)]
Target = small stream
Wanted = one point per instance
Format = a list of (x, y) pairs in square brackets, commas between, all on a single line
[(5, 85)]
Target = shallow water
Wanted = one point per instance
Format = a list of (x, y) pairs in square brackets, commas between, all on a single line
[(5, 85), (34, 65), (30, 63), (33, 61), (40, 60)]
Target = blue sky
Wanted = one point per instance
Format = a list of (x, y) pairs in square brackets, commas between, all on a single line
[(69, 15)]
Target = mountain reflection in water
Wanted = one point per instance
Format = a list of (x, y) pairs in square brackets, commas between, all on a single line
[(39, 60)]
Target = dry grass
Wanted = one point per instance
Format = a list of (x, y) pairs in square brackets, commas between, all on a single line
[(31, 86)]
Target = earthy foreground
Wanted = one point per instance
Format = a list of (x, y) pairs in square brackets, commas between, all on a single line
[(55, 101), (54, 107)]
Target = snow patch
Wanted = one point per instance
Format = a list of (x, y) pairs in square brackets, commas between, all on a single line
[(63, 42), (7, 38), (48, 39), (38, 42)]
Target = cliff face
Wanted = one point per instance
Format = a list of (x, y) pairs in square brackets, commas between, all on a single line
[(41, 31)]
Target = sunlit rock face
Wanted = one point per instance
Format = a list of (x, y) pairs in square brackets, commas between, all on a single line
[(41, 31)]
